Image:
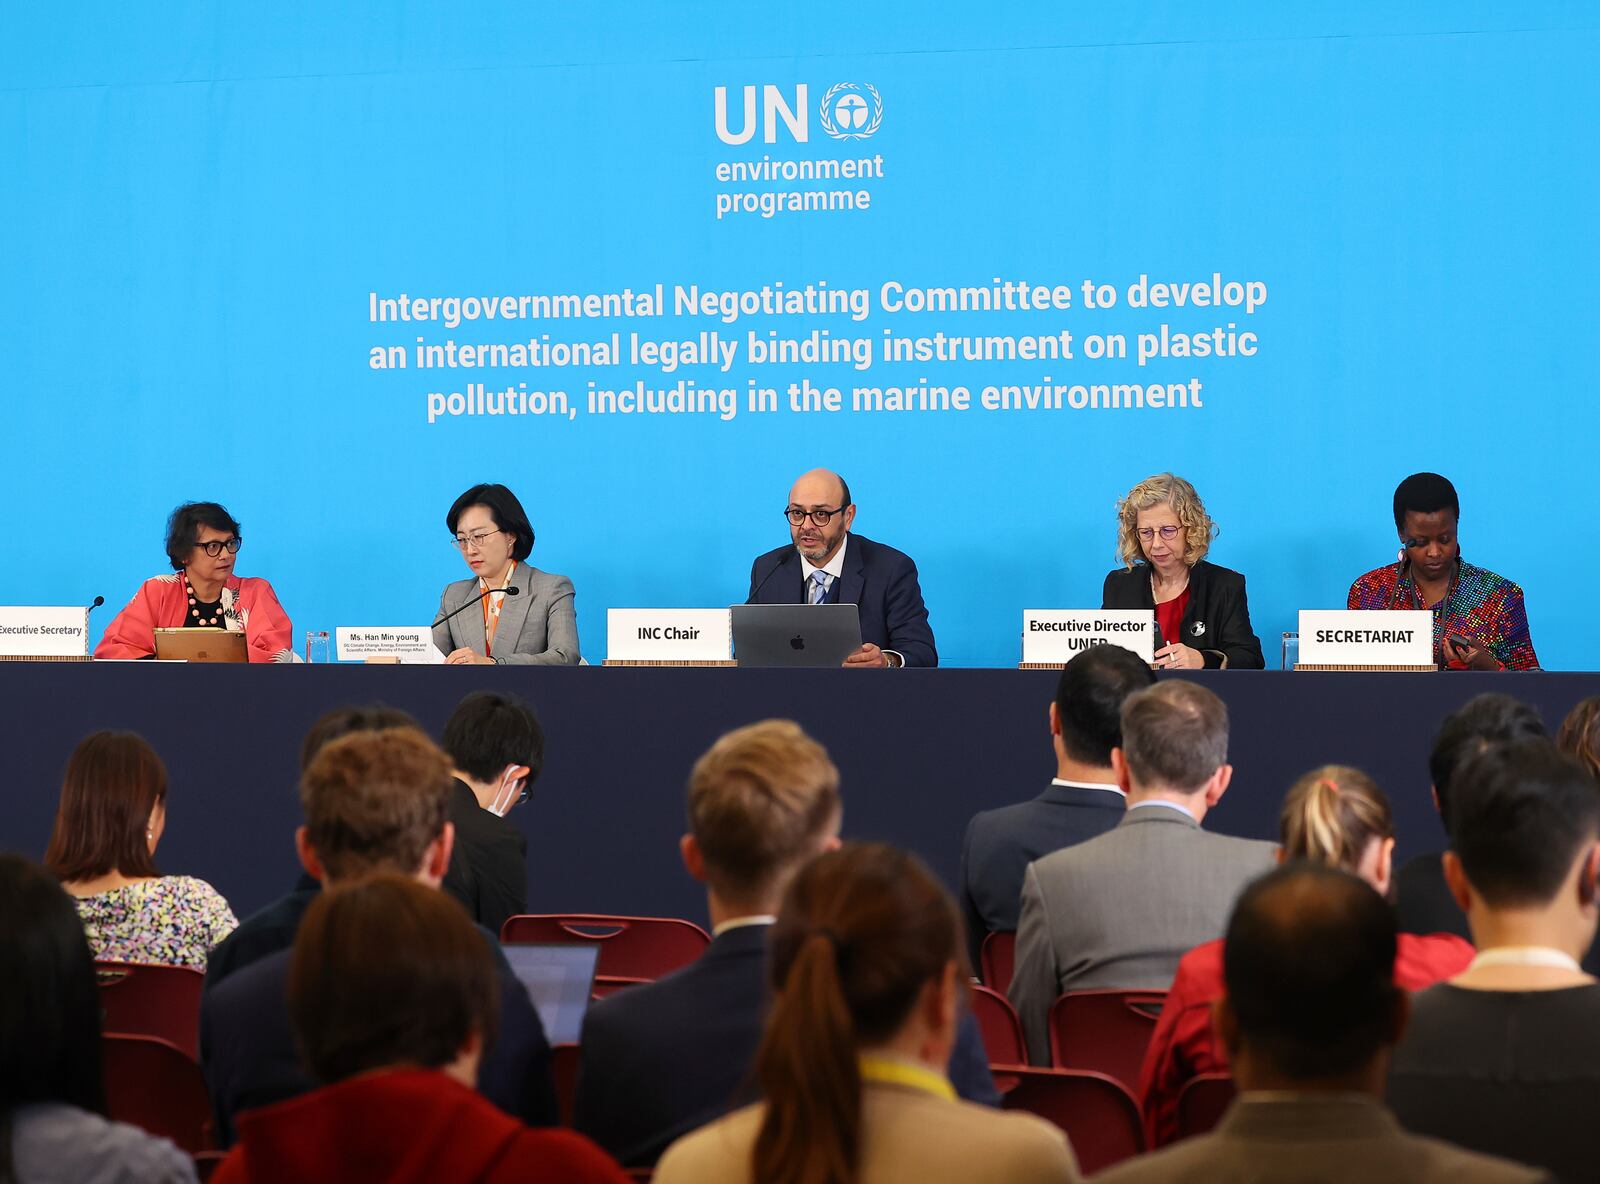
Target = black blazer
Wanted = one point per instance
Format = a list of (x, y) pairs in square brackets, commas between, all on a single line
[(1217, 621), (664, 1058), (488, 865), (881, 581)]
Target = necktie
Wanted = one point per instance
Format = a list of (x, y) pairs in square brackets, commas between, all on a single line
[(819, 586)]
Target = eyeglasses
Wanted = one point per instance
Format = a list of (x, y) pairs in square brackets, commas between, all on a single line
[(1167, 532), (796, 515), (217, 546), (472, 542)]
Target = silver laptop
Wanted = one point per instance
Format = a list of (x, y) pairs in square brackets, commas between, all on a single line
[(558, 977), (795, 634)]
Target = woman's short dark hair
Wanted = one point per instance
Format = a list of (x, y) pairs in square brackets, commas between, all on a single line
[(388, 972), (49, 1002), (183, 528), (1424, 493), (113, 782), (504, 508)]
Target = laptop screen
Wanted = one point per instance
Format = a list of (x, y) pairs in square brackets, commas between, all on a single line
[(558, 978)]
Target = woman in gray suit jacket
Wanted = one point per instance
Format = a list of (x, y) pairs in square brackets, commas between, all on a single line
[(535, 626)]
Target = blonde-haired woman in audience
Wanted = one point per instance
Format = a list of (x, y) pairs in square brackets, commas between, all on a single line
[(867, 965), (1334, 815), (112, 813)]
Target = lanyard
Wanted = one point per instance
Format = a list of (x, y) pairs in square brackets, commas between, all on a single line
[(891, 1071), (1526, 956)]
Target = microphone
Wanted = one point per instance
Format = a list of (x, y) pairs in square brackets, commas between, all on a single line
[(98, 601), (511, 590)]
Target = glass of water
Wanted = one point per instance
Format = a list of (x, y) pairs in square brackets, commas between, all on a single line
[(1291, 651), (317, 649)]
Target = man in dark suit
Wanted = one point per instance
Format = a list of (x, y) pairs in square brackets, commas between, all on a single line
[(496, 746), (374, 802), (826, 564), (662, 1059), (1084, 799)]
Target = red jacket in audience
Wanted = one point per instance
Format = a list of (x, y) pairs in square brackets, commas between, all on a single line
[(406, 1126), (1183, 1046)]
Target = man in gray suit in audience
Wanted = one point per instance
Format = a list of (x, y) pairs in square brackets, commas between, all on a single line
[(1119, 910), (1309, 1017)]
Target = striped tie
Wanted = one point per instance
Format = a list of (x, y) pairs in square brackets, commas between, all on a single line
[(819, 586)]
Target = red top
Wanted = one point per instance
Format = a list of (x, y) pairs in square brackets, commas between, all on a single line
[(1183, 1046), (1170, 617)]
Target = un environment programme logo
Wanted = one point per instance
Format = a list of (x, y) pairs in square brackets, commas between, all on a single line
[(846, 114), (797, 181)]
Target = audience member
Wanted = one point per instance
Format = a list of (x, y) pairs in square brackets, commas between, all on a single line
[(375, 803), (1336, 816), (112, 814), (1503, 1057), (1119, 910), (1580, 734), (1310, 1015), (1422, 899), (52, 1101), (666, 1057), (869, 975), (273, 928), (392, 995), (1083, 800), (496, 746)]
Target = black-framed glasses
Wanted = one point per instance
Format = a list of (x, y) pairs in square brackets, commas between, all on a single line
[(217, 546), (1169, 532), (796, 515), (472, 542)]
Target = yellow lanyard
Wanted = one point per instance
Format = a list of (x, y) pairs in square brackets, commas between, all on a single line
[(891, 1071)]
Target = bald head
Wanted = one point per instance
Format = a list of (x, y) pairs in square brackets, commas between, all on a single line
[(819, 487), (821, 492)]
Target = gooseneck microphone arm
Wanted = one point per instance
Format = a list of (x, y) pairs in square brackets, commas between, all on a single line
[(509, 590)]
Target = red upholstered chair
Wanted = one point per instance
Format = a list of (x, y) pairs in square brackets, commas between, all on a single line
[(152, 1084), (1002, 1030), (1203, 1102), (141, 1000), (639, 948), (996, 958), (1099, 1114), (1107, 1031), (564, 1061)]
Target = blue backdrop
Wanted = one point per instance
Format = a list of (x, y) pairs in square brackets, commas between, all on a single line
[(198, 202)]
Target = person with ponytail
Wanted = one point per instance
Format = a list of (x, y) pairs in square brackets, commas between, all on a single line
[(1335, 816), (869, 978)]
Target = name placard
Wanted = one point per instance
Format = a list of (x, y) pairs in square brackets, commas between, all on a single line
[(39, 632), (669, 637), (1053, 636), (410, 645), (1365, 639)]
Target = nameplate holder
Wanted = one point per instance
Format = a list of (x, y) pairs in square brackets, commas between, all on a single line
[(668, 637), (35, 633), (407, 645), (1365, 639), (1052, 637)]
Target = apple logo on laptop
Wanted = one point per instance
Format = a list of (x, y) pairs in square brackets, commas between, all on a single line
[(797, 642)]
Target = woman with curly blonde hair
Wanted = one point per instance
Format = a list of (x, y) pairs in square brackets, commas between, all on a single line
[(1203, 617)]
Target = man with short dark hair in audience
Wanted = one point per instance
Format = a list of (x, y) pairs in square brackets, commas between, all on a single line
[(1310, 1014), (375, 802), (1422, 898), (1505, 1057), (1120, 910), (496, 746), (1084, 799), (664, 1058)]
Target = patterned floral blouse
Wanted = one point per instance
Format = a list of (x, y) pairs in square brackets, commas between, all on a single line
[(170, 920), (1480, 605)]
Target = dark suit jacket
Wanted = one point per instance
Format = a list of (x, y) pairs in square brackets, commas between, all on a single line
[(1216, 622), (1000, 844), (488, 865), (260, 934), (879, 580), (662, 1059), (248, 1054)]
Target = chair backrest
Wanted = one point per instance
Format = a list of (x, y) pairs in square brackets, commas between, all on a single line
[(1202, 1103), (564, 1063), (996, 958), (153, 1085), (1107, 1031), (1098, 1113), (1002, 1030), (630, 947), (141, 1000)]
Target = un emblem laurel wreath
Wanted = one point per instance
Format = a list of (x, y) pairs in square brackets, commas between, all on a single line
[(844, 87)]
